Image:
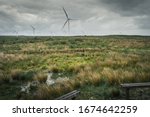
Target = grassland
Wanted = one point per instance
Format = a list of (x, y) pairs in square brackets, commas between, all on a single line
[(94, 65)]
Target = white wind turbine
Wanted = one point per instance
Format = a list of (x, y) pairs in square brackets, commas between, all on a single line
[(16, 33), (33, 28), (67, 20)]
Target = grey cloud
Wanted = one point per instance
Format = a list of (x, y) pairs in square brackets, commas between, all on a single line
[(124, 4), (139, 10), (94, 15), (128, 7), (143, 22)]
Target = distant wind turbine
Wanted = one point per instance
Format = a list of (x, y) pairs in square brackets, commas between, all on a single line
[(67, 20), (33, 28), (16, 33)]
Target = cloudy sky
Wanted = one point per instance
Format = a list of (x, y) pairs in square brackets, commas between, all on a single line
[(95, 17)]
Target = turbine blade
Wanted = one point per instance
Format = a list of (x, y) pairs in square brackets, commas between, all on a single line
[(65, 24), (32, 27), (65, 13)]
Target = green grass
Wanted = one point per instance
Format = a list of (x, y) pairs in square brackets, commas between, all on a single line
[(94, 64)]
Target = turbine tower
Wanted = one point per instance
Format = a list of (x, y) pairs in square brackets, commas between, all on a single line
[(33, 28), (68, 19), (16, 33)]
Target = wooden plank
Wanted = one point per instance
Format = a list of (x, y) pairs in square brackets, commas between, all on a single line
[(135, 85), (127, 86), (70, 95)]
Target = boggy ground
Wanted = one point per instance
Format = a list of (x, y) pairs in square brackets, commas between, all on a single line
[(94, 65)]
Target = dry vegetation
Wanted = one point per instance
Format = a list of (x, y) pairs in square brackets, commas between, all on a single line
[(95, 65)]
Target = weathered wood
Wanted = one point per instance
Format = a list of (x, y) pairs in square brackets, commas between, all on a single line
[(69, 96), (129, 86), (135, 85)]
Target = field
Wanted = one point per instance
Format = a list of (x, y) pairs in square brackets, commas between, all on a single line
[(96, 65)]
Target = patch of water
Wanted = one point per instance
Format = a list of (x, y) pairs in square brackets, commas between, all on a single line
[(49, 80)]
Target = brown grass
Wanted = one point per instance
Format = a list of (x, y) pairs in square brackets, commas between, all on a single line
[(33, 46), (50, 92), (112, 76), (16, 74), (44, 92), (40, 77), (12, 57)]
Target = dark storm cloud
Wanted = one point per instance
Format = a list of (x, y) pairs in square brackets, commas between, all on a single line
[(143, 22), (129, 7), (139, 9)]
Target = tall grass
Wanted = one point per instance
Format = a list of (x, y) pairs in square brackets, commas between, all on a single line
[(5, 78), (16, 74), (50, 92), (104, 72), (40, 77), (90, 61)]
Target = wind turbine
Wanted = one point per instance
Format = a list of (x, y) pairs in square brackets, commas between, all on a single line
[(33, 28), (16, 33), (67, 20)]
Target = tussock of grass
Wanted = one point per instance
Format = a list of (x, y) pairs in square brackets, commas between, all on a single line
[(55, 69), (16, 74), (40, 77), (51, 92), (20, 75), (5, 78), (44, 92)]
